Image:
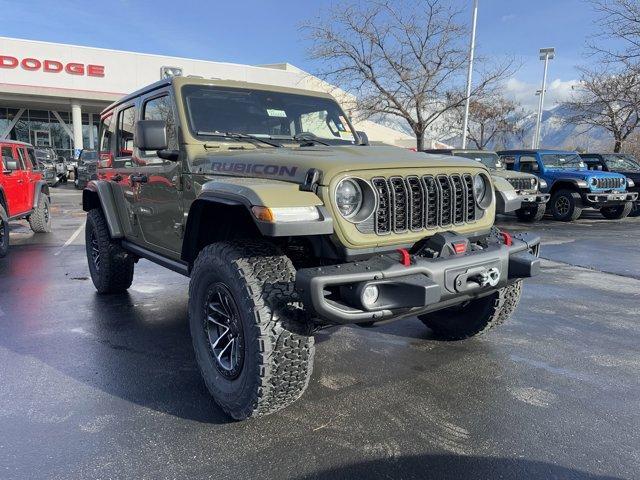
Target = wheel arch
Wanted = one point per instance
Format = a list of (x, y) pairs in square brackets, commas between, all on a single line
[(566, 184), (41, 188), (98, 194), (215, 219)]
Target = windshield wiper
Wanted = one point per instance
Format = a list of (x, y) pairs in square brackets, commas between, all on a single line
[(239, 136), (308, 137)]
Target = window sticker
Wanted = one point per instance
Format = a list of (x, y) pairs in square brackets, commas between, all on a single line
[(272, 112)]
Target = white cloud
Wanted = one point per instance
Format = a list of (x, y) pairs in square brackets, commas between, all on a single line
[(508, 17), (524, 93)]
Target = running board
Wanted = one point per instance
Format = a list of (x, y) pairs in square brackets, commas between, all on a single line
[(175, 265)]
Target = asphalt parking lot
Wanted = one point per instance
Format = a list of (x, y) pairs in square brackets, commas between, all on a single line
[(107, 386)]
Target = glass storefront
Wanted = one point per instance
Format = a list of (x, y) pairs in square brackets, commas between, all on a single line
[(42, 129)]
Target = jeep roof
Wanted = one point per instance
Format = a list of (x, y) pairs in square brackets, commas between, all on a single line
[(179, 81)]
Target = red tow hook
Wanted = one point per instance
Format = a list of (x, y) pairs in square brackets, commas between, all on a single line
[(506, 237), (405, 258)]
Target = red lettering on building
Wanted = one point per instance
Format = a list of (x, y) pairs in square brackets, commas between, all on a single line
[(74, 68), (8, 62), (31, 64), (52, 66), (95, 70)]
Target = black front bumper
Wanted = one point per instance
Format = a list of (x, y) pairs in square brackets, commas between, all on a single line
[(333, 294), (598, 200)]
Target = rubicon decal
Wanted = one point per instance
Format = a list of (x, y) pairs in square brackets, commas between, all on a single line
[(51, 66), (255, 168)]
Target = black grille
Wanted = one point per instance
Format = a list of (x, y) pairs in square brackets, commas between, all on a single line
[(609, 182), (415, 203), (383, 212), (522, 183)]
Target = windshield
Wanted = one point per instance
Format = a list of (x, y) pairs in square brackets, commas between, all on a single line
[(489, 159), (279, 116), (621, 162), (570, 161), (89, 155)]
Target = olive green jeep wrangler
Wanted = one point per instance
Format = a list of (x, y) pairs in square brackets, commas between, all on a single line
[(286, 222), (516, 192)]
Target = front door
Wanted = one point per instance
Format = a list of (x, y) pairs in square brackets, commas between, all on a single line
[(122, 168), (16, 190), (158, 195)]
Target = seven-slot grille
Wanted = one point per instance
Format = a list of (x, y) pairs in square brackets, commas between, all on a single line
[(522, 183), (609, 182), (416, 203)]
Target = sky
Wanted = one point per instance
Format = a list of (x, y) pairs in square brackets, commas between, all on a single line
[(269, 31)]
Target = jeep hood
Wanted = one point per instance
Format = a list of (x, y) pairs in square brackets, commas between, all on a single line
[(581, 174), (292, 164)]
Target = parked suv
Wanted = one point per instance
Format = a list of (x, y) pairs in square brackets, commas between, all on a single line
[(622, 163), (286, 223), (87, 168), (46, 160), (515, 191), (572, 186), (23, 192)]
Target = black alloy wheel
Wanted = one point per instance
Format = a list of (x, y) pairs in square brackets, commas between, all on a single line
[(223, 329)]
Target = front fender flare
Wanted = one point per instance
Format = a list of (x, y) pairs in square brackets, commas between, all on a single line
[(101, 189), (40, 188)]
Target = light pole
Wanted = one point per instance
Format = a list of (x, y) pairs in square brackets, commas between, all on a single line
[(472, 47), (546, 54)]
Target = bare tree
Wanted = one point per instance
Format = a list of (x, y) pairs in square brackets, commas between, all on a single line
[(405, 58), (618, 38), (608, 101), (492, 118)]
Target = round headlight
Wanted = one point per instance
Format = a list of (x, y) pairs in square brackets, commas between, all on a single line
[(593, 181), (348, 197), (479, 188), (534, 183), (481, 191)]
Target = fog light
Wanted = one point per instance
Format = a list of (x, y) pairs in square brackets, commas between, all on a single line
[(370, 295)]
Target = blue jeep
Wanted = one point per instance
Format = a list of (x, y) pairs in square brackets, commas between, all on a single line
[(572, 186)]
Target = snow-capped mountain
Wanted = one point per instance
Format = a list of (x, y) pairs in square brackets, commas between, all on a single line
[(555, 132)]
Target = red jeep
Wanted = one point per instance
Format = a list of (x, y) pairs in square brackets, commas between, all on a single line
[(23, 192)]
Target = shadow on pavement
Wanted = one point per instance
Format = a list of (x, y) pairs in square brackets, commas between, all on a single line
[(453, 467)]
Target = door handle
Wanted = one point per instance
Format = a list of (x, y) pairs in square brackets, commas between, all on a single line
[(138, 179), (20, 181)]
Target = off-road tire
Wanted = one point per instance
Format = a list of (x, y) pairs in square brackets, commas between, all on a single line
[(618, 212), (278, 342), (114, 271), (40, 219), (571, 212), (4, 232), (635, 210), (475, 317), (531, 214)]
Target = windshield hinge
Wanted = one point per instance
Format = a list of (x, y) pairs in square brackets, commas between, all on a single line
[(311, 180)]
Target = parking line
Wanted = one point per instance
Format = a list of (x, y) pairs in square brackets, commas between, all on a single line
[(71, 239)]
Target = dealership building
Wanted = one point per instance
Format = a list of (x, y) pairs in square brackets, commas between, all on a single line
[(51, 94)]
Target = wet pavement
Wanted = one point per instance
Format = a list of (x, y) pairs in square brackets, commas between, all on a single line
[(107, 386)]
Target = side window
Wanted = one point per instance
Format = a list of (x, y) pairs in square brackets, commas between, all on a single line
[(528, 164), (32, 157), (160, 108), (508, 160), (106, 134), (7, 155), (124, 136), (22, 162)]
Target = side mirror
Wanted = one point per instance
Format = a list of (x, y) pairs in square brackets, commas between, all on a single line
[(151, 135), (10, 166), (364, 139)]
